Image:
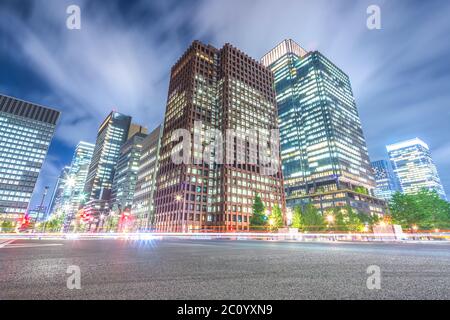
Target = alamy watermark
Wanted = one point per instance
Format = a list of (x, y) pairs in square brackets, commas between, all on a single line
[(73, 21), (374, 280), (374, 18), (206, 145), (74, 280)]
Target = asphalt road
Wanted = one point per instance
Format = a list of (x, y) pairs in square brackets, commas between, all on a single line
[(222, 269)]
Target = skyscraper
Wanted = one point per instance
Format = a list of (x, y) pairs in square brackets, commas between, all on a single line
[(57, 200), (386, 180), (112, 134), (143, 204), (126, 172), (414, 167), (26, 130), (226, 91), (74, 195), (323, 150)]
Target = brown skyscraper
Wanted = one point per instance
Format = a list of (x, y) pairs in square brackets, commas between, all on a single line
[(226, 90)]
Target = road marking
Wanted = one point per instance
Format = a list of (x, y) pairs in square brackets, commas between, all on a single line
[(11, 246), (3, 244)]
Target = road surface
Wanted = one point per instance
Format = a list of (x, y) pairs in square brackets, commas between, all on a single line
[(222, 269)]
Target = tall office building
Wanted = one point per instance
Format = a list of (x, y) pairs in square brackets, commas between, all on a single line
[(143, 205), (126, 173), (414, 167), (57, 200), (112, 134), (387, 183), (226, 90), (323, 150), (74, 195), (26, 130)]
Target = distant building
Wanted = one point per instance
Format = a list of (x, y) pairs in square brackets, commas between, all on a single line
[(323, 150), (414, 167), (57, 200), (112, 134), (136, 128), (74, 195), (143, 208), (386, 180), (126, 172), (37, 212), (26, 130)]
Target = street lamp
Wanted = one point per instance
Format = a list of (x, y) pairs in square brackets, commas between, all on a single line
[(330, 218), (41, 205)]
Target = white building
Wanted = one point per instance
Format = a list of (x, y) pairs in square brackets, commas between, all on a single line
[(414, 167)]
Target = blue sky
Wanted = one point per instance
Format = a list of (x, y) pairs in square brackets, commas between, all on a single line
[(121, 59)]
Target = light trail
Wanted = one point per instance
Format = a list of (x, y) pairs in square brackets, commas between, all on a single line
[(146, 236)]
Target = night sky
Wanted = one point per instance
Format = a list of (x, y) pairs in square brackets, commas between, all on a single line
[(121, 59)]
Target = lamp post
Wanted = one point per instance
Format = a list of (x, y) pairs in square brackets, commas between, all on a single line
[(41, 206)]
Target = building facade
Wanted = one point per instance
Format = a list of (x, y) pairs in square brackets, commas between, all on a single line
[(213, 92), (125, 177), (143, 205), (74, 196), (26, 130), (387, 183), (415, 167), (112, 134), (323, 149), (57, 200)]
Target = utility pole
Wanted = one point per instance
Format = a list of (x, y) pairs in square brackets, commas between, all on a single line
[(41, 206)]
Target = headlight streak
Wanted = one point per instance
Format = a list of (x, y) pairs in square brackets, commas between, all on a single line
[(299, 237)]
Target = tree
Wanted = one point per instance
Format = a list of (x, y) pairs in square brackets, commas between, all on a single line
[(368, 219), (258, 218), (437, 210), (276, 217), (361, 190), (312, 219), (424, 209), (7, 226), (55, 223), (297, 219)]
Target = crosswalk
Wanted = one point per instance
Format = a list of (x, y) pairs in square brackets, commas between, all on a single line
[(9, 244), (5, 242)]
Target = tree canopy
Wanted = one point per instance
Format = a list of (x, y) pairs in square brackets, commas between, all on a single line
[(258, 218), (276, 217), (424, 209)]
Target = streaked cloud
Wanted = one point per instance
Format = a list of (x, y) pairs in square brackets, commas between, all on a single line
[(121, 58)]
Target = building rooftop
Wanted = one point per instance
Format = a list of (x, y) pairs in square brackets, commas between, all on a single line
[(405, 144), (284, 47)]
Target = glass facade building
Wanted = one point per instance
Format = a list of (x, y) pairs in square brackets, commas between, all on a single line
[(125, 177), (386, 180), (414, 167), (143, 208), (26, 130), (57, 200), (323, 149), (224, 89), (74, 196), (112, 134)]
